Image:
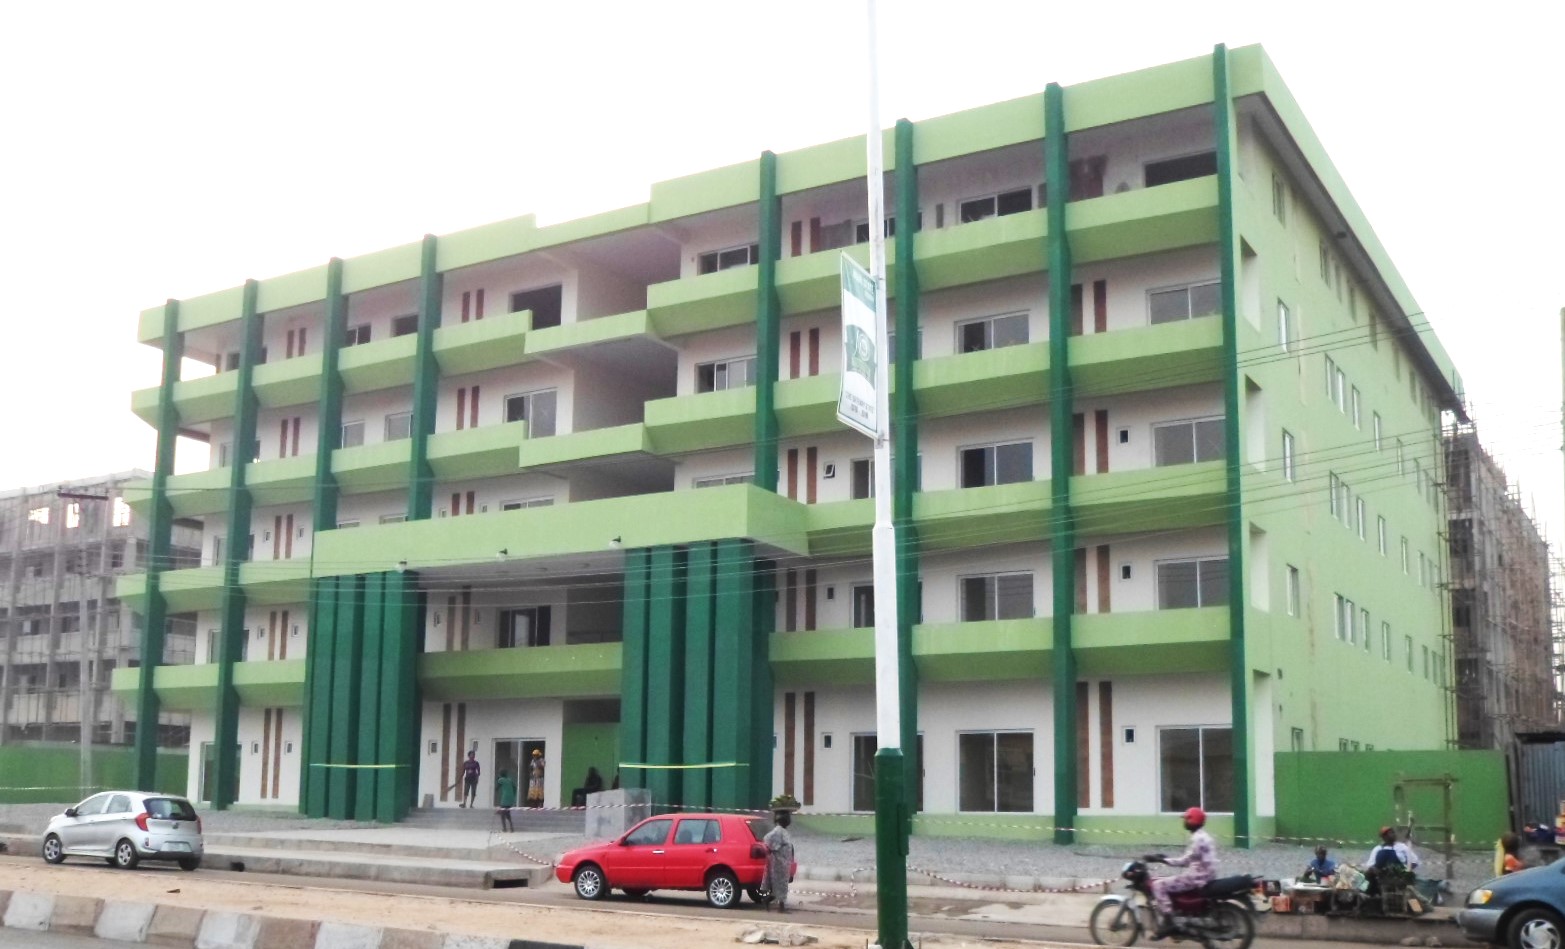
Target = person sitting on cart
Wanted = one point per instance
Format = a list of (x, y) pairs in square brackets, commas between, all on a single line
[(1392, 853), (1322, 869)]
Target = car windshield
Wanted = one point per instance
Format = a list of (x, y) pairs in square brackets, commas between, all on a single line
[(170, 808)]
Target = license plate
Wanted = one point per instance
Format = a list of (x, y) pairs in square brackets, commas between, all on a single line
[(177, 847)]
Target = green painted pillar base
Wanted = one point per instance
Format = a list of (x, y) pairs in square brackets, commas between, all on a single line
[(890, 849)]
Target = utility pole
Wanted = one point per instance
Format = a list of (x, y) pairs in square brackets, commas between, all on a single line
[(84, 685)]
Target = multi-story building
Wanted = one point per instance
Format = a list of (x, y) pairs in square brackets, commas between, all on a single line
[(1504, 640), (1167, 446), (61, 548)]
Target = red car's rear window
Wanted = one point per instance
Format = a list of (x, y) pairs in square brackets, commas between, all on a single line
[(759, 826)]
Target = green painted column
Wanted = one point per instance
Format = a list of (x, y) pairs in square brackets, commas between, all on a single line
[(905, 448), (323, 518), (320, 672), (665, 663), (236, 551), (426, 383), (633, 667), (699, 635), (347, 668), (1062, 521), (401, 641), (762, 691), (1228, 261), (733, 653), (154, 623), (372, 674), (768, 327)]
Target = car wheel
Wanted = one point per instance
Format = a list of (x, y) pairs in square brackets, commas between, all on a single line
[(53, 850), (1536, 928), (589, 882), (125, 855), (636, 894), (758, 894), (722, 890), (190, 863)]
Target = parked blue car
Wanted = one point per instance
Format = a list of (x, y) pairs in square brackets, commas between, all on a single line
[(1525, 910)]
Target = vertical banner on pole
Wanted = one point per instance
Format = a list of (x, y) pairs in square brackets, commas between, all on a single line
[(857, 406)]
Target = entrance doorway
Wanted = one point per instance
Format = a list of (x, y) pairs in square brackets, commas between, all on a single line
[(515, 755)]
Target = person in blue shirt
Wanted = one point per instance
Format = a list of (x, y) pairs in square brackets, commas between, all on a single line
[(1321, 869)]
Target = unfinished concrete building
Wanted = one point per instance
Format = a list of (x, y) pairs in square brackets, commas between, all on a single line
[(61, 548), (1502, 625)]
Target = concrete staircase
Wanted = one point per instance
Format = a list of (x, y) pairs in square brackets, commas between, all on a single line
[(524, 820)]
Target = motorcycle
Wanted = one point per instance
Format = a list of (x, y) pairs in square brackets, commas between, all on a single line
[(1218, 916)]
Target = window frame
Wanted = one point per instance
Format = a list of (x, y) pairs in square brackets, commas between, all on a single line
[(992, 599), (1199, 562), (994, 777), (725, 365), (528, 400), (993, 464), (1294, 586), (994, 198), (398, 416), (342, 436), (1289, 471), (1202, 782), (722, 480), (1195, 441), (989, 323), (1187, 289), (752, 252)]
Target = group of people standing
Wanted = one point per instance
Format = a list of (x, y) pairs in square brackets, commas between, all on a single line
[(505, 788)]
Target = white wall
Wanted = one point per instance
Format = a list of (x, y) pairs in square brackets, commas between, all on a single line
[(372, 408), (942, 574), (941, 440), (718, 230), (483, 618), (733, 342), (1138, 414), (486, 723), (1143, 553), (1129, 281), (496, 385), (940, 311), (710, 464), (378, 306)]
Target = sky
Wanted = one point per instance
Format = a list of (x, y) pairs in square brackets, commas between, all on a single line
[(156, 150)]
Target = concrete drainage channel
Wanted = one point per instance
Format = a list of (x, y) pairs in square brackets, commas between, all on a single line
[(163, 925)]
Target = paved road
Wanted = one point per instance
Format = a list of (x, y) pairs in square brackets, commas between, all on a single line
[(975, 916)]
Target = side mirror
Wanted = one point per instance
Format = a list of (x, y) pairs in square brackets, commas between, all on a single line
[(70, 812)]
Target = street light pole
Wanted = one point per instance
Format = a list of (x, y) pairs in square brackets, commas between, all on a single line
[(84, 683)]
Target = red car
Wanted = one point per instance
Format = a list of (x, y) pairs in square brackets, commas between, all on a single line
[(718, 853)]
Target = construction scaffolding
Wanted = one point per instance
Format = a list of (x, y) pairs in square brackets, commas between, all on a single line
[(62, 629), (1505, 618)]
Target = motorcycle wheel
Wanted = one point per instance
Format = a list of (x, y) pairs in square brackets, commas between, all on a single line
[(1115, 923), (1232, 927)]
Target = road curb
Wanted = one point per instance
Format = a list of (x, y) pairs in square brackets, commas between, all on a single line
[(160, 924)]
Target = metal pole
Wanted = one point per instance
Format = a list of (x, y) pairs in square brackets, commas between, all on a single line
[(890, 805)]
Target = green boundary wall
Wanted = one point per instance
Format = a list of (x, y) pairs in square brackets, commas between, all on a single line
[(1348, 795), (55, 769)]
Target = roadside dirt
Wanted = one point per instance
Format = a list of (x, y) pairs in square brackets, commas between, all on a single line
[(606, 926)]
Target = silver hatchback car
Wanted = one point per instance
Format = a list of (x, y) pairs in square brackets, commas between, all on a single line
[(125, 828)]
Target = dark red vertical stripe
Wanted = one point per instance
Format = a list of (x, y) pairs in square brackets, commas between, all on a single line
[(478, 304), (1103, 578), (793, 355), (796, 239), (790, 601), (790, 737), (810, 467), (1100, 419), (793, 474), (472, 406), (810, 586), (815, 234), (815, 350), (1078, 444), (809, 748), (467, 299), (461, 408), (1083, 732), (1100, 306), (282, 644), (1106, 741)]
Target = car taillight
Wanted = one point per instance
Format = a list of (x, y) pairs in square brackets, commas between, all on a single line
[(758, 851), (198, 825), (141, 820)]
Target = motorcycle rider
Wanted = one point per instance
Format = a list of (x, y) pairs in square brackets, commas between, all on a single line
[(1200, 863)]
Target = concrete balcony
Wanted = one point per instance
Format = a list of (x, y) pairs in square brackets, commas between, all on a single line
[(984, 250), (196, 400), (994, 378), (364, 469), (482, 452), (482, 344), (194, 687), (382, 364), (295, 381), (1150, 357), (697, 304), (201, 588), (598, 446), (1149, 499), (1159, 641), (591, 669), (1142, 221), (989, 651), (701, 422), (281, 480)]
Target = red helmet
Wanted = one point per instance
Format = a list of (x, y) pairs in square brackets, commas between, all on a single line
[(1195, 816)]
